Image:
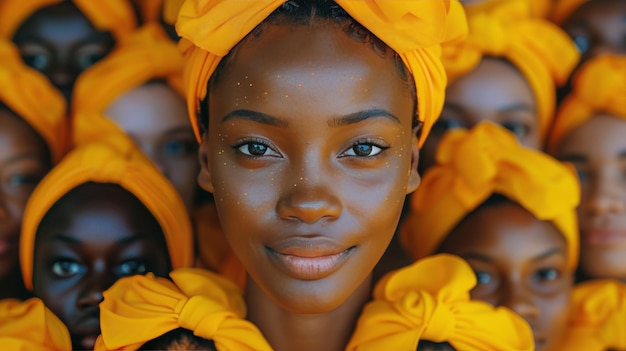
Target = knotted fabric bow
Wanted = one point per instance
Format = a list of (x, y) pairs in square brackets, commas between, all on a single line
[(138, 309), (413, 28)]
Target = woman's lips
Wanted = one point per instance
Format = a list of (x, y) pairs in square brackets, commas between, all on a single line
[(605, 236), (308, 258)]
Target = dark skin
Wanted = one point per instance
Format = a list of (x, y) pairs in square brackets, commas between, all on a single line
[(89, 239), (597, 148), (155, 116), (24, 160), (61, 42), (521, 263), (598, 27), (494, 91), (316, 149)]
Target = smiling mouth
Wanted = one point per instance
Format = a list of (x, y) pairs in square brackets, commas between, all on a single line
[(303, 264), (605, 236)]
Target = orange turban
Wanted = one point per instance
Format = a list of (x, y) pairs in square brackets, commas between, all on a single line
[(115, 160), (430, 300), (116, 16), (144, 55), (471, 166), (598, 317), (31, 96), (541, 51), (563, 9), (538, 8), (154, 10), (138, 309), (413, 28), (598, 86), (29, 325)]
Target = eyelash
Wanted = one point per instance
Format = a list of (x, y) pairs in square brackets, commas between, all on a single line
[(367, 141), (250, 141)]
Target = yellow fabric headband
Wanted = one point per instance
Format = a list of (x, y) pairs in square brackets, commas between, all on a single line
[(413, 28)]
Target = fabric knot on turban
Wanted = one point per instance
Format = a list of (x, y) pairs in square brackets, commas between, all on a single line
[(429, 300), (473, 165), (138, 309)]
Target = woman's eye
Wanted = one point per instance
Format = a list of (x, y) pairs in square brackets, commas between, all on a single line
[(364, 150), (520, 130), (40, 62), (18, 180), (547, 274), (132, 267), (483, 278), (445, 124), (90, 54), (179, 148), (582, 42), (256, 149), (66, 268)]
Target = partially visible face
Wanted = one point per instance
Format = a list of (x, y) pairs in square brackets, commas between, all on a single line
[(94, 236), (598, 150), (155, 116), (61, 42), (494, 91), (309, 156), (597, 27), (521, 263), (24, 160)]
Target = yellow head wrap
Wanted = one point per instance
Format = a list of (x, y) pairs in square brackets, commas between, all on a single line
[(563, 9), (114, 160), (598, 86), (598, 317), (116, 16), (145, 55), (31, 96), (154, 10), (541, 51), (29, 325), (430, 300), (138, 309), (537, 8), (413, 28), (473, 165)]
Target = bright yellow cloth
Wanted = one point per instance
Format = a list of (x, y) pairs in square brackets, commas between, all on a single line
[(145, 55), (413, 28), (563, 9), (138, 309), (473, 165), (29, 325), (430, 300), (598, 86), (31, 96), (541, 51), (598, 317), (538, 8), (154, 10), (114, 160), (116, 16)]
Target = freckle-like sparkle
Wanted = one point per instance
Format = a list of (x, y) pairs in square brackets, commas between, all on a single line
[(238, 83)]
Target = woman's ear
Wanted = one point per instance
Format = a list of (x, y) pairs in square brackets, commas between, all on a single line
[(414, 177), (204, 177)]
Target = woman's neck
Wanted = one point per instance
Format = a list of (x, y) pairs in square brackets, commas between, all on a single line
[(287, 331), (12, 286)]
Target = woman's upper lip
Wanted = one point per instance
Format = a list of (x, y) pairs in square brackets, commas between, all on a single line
[(309, 246)]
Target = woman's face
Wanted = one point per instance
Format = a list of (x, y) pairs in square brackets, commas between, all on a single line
[(597, 27), (87, 241), (597, 148), (310, 152), (61, 42), (521, 263), (494, 91), (24, 160), (155, 116)]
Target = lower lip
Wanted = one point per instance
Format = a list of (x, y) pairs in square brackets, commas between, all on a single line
[(310, 268), (88, 342), (605, 237)]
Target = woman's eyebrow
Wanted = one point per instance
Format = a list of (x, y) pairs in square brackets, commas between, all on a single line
[(548, 253), (360, 116), (255, 117)]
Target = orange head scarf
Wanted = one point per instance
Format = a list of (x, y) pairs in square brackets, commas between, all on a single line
[(471, 166), (31, 96), (29, 325), (413, 28), (537, 8), (543, 53), (598, 86), (114, 160), (144, 55), (154, 10), (430, 300), (138, 309), (598, 317), (116, 16), (563, 9)]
